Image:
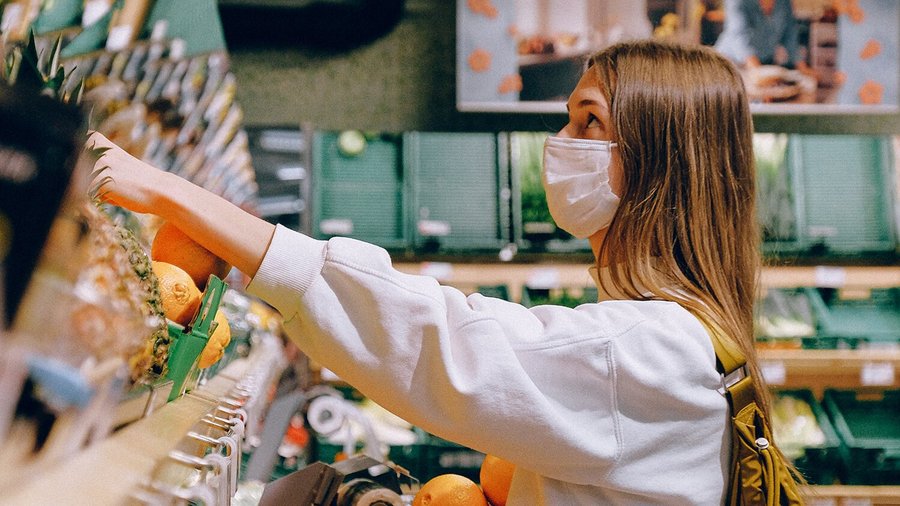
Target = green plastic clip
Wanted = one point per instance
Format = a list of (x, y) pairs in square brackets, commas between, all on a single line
[(188, 342)]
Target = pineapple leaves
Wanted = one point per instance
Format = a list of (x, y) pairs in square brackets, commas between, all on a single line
[(94, 192), (26, 65), (74, 96), (30, 74)]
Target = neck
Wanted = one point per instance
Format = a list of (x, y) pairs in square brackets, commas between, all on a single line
[(596, 242)]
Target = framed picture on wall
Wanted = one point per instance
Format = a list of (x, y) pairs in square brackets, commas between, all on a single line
[(796, 56)]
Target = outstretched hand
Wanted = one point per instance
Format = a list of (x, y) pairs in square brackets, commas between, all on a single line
[(231, 233), (122, 179)]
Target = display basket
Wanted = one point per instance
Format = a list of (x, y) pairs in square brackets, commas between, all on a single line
[(188, 342), (785, 319), (870, 435), (819, 462), (870, 321)]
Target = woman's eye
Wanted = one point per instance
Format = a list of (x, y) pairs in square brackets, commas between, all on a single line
[(593, 122)]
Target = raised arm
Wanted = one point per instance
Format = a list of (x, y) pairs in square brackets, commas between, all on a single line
[(233, 234)]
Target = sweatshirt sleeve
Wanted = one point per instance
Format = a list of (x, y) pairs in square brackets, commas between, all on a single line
[(535, 386)]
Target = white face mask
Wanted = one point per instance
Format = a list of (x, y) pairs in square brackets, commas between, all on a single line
[(576, 180)]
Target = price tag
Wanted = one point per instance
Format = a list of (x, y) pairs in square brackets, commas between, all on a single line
[(773, 372), (880, 374), (441, 271), (830, 277), (336, 226), (433, 228)]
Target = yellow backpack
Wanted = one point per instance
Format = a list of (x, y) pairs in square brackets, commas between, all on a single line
[(758, 474)]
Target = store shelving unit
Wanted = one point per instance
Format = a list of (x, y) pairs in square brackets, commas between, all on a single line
[(467, 276), (114, 470)]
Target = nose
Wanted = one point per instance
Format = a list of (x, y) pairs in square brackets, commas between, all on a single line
[(566, 131)]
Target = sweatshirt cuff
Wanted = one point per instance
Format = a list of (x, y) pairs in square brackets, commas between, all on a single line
[(291, 264)]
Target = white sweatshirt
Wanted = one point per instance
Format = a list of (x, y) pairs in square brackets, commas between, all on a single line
[(609, 403)]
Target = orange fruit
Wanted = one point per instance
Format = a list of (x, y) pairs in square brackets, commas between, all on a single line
[(173, 246), (218, 340), (450, 490), (180, 296), (496, 476)]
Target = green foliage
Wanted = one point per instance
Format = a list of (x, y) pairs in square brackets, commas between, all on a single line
[(25, 66), (528, 151), (775, 207)]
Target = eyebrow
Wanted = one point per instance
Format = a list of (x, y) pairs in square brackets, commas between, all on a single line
[(586, 102)]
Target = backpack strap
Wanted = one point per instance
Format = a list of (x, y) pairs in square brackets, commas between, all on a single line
[(731, 363)]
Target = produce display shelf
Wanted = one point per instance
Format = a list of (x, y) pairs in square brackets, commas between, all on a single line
[(853, 494), (109, 471), (822, 369), (468, 276)]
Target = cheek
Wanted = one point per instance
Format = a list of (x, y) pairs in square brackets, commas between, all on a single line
[(616, 175)]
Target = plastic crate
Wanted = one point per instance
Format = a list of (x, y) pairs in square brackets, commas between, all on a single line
[(362, 195), (852, 322), (869, 429), (440, 456), (845, 204), (558, 297), (460, 190), (496, 291), (819, 460), (785, 319)]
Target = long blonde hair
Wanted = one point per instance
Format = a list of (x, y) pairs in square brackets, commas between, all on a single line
[(687, 216)]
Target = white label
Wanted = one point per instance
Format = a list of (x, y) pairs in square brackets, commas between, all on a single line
[(543, 278), (821, 231), (434, 228), (821, 501), (773, 372), (336, 226), (856, 501), (94, 10), (119, 38), (879, 374), (538, 227), (830, 277), (441, 271)]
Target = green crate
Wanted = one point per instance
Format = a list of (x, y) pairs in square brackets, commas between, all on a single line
[(440, 456), (495, 291), (785, 318), (460, 196), (818, 460), (558, 297), (869, 429), (845, 206), (857, 323), (777, 202), (361, 195)]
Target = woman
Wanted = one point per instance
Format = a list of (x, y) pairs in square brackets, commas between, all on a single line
[(610, 403), (755, 29)]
